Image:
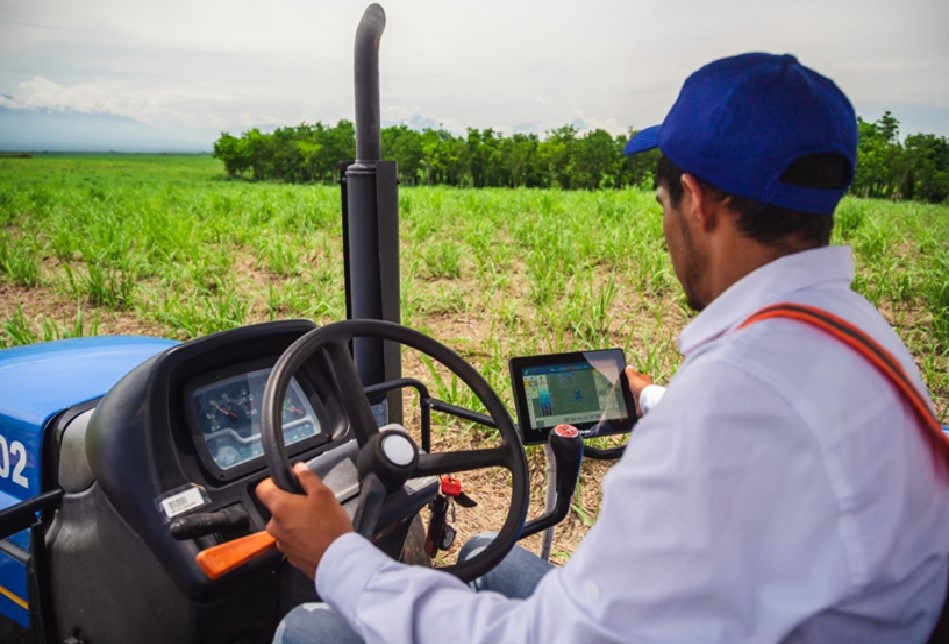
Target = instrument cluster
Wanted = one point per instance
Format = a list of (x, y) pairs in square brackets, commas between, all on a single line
[(227, 412)]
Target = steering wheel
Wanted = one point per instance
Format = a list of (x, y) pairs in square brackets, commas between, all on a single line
[(387, 459)]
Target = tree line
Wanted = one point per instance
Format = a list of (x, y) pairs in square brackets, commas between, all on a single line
[(481, 158), (916, 168)]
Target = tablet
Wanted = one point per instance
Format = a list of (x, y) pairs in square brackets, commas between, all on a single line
[(586, 389)]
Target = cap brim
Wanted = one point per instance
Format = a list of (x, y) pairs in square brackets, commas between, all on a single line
[(643, 140)]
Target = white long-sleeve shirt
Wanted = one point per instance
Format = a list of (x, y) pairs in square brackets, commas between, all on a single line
[(782, 491)]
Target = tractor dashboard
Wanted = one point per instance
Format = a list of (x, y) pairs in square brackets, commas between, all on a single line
[(166, 466)]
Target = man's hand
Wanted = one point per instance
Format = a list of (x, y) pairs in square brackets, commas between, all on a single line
[(304, 525), (637, 382)]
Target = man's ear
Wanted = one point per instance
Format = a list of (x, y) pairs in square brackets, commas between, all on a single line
[(700, 201)]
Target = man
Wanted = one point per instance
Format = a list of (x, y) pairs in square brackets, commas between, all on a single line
[(782, 490)]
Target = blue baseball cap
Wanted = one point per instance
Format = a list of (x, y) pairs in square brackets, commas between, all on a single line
[(740, 122)]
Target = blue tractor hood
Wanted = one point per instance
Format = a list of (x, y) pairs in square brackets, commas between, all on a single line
[(38, 381)]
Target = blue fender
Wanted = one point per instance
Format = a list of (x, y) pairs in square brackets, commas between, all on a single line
[(37, 382)]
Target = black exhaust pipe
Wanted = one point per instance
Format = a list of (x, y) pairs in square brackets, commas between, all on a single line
[(368, 35), (370, 195)]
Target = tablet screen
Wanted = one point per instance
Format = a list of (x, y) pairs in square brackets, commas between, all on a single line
[(586, 389)]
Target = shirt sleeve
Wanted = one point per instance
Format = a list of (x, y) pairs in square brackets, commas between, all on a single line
[(650, 397), (386, 601)]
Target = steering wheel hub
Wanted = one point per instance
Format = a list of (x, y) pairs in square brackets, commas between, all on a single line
[(391, 455), (398, 449)]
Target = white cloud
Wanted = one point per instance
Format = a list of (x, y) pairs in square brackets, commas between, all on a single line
[(240, 63), (39, 92)]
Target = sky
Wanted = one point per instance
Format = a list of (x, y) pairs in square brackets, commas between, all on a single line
[(196, 68)]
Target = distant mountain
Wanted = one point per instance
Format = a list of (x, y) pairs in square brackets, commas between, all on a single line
[(71, 131)]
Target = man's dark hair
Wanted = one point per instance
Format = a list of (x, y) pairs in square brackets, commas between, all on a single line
[(769, 224)]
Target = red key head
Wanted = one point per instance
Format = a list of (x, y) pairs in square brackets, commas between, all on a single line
[(451, 486)]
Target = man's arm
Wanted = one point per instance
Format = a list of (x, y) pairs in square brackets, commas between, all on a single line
[(646, 395), (304, 525), (363, 584)]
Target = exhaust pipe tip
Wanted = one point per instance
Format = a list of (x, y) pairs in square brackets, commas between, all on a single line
[(368, 35), (373, 21)]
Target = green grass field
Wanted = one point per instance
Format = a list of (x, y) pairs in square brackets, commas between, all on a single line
[(166, 245)]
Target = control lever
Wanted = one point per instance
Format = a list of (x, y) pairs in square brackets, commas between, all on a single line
[(217, 560), (201, 524), (566, 447)]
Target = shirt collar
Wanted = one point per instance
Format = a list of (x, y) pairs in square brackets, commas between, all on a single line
[(774, 282)]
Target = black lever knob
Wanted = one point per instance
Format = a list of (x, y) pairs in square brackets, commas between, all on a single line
[(201, 524)]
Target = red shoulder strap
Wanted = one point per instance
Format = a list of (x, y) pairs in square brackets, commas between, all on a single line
[(866, 346)]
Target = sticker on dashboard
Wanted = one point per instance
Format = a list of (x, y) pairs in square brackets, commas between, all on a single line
[(182, 500)]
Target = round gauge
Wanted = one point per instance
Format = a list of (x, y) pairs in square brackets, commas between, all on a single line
[(232, 410)]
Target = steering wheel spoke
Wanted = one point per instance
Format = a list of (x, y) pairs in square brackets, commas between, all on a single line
[(369, 506), (435, 464), (353, 399)]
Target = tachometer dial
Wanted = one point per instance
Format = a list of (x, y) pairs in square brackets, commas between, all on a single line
[(230, 411)]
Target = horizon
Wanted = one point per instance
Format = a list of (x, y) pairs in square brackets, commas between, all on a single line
[(93, 141)]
